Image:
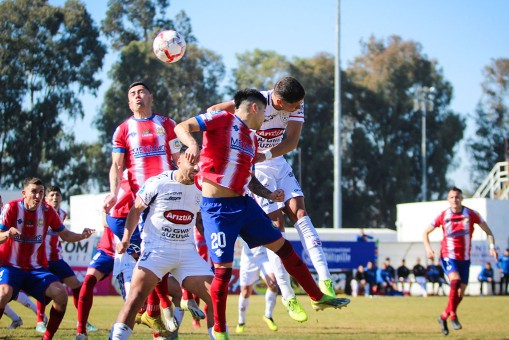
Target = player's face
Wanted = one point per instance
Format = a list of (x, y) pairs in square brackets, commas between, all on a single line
[(139, 98), (54, 199), (32, 196), (188, 169), (289, 107), (454, 198), (258, 115)]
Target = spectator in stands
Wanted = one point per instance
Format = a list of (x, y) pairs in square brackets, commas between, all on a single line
[(503, 264), (359, 283), (362, 237), (486, 275), (370, 278), (390, 268), (435, 274), (403, 276), (420, 276), (385, 280)]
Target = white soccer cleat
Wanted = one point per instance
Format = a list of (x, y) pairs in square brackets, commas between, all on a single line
[(169, 319)]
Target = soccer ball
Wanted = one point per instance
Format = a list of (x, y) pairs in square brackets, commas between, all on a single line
[(169, 46)]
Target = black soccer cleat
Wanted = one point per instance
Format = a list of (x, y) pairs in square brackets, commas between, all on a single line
[(443, 324)]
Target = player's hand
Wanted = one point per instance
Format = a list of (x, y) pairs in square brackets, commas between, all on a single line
[(12, 232), (193, 153), (109, 203), (430, 254), (277, 195), (87, 232), (121, 247), (259, 157), (493, 252)]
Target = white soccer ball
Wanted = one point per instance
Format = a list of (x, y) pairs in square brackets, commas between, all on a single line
[(169, 46)]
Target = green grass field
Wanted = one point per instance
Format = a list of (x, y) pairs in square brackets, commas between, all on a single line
[(364, 318)]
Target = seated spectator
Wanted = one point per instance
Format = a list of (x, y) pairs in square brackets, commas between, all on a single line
[(385, 281), (370, 278), (390, 268), (435, 274), (403, 275), (420, 276), (362, 237), (486, 275), (359, 283)]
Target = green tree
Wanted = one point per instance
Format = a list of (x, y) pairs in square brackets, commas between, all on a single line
[(48, 55), (180, 90), (490, 143), (382, 164)]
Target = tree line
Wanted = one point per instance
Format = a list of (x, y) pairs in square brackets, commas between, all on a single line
[(50, 55)]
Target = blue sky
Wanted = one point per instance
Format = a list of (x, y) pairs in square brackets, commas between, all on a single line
[(462, 35)]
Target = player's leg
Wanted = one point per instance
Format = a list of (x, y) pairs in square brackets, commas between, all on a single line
[(196, 276), (270, 301), (176, 293), (296, 212), (143, 282), (289, 298), (6, 291), (222, 219), (99, 268), (56, 292), (11, 314)]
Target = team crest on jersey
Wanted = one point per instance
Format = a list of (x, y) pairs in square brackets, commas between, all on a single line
[(179, 216), (270, 133), (177, 145), (40, 222), (146, 132), (160, 131)]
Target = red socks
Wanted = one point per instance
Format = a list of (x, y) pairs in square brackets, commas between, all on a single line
[(219, 294), (454, 300), (85, 300), (298, 269), (55, 318)]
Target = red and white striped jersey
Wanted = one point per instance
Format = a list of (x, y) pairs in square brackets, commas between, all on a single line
[(148, 145), (27, 250), (107, 242), (458, 229), (275, 123), (53, 244), (228, 150)]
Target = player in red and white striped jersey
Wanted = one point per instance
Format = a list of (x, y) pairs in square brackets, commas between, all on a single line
[(457, 224), (24, 224)]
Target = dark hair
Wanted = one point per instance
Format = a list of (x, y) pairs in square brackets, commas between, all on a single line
[(289, 89), (248, 95), (136, 83), (453, 188), (54, 188), (32, 180)]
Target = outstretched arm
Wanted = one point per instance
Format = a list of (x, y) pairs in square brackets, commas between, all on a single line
[(226, 106), (430, 253)]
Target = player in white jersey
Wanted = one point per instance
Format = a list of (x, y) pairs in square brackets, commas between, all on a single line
[(167, 242), (285, 114), (252, 263)]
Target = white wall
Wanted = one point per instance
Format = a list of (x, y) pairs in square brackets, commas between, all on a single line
[(413, 218), (86, 212)]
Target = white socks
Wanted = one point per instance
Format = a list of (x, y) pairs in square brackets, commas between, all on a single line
[(270, 302), (312, 243), (243, 305)]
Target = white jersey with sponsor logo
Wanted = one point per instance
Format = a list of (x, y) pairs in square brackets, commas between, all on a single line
[(173, 207), (275, 123)]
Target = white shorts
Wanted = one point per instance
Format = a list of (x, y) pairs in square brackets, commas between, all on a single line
[(124, 264), (274, 174), (180, 261), (252, 261)]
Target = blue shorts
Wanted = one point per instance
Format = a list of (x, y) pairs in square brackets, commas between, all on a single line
[(460, 266), (117, 226), (226, 218), (34, 282), (102, 262), (61, 269)]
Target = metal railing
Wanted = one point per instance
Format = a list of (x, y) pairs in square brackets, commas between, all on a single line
[(496, 184)]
